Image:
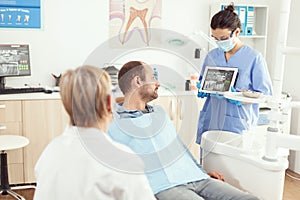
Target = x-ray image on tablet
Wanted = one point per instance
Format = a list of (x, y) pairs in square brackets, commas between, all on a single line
[(218, 79)]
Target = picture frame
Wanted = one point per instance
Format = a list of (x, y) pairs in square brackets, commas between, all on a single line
[(218, 79)]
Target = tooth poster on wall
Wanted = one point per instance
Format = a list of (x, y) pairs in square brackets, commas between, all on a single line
[(20, 14), (131, 21)]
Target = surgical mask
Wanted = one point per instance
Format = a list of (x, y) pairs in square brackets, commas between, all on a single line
[(226, 45)]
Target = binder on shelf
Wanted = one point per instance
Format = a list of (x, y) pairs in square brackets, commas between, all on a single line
[(250, 21), (242, 13)]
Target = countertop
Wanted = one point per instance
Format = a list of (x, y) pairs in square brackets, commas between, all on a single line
[(30, 96), (56, 95)]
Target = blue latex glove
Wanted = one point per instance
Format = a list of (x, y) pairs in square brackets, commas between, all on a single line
[(218, 95), (201, 94), (237, 103)]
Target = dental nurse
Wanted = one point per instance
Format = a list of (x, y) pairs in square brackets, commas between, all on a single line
[(219, 113)]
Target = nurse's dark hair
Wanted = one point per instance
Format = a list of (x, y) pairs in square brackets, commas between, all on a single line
[(226, 19)]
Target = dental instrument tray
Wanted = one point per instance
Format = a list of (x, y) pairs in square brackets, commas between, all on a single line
[(218, 79), (239, 96), (251, 94)]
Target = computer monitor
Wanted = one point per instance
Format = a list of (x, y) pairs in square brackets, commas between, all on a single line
[(14, 61)]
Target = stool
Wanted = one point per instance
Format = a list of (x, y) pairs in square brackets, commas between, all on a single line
[(9, 142)]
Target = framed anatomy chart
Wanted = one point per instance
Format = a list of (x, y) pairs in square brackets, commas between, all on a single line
[(131, 21)]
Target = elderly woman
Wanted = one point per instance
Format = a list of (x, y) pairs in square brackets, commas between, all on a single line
[(81, 162)]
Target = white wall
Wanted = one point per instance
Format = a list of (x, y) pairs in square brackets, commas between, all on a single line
[(291, 77), (292, 67), (71, 29)]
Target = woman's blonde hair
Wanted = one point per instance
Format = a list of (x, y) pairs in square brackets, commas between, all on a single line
[(84, 94)]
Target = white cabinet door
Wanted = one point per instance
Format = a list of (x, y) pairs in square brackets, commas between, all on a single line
[(188, 114)]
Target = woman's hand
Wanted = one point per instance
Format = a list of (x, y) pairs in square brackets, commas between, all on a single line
[(216, 175)]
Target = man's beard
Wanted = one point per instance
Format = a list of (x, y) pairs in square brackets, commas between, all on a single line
[(147, 96)]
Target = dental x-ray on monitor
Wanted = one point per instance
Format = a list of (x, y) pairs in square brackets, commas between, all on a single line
[(218, 79), (14, 61)]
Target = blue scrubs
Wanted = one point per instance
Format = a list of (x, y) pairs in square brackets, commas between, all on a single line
[(219, 114)]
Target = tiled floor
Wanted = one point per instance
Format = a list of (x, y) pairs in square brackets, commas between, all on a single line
[(291, 189)]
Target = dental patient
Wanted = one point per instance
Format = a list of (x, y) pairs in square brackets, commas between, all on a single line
[(172, 172)]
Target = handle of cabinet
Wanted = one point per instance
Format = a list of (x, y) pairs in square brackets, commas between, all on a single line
[(173, 109), (3, 127), (180, 108), (2, 106)]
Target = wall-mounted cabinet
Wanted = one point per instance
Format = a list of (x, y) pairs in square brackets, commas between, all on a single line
[(254, 19)]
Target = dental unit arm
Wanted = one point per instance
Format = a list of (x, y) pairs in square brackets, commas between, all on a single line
[(275, 139)]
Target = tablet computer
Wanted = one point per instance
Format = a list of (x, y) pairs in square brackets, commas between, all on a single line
[(218, 79)]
